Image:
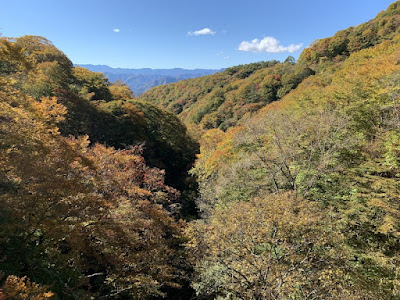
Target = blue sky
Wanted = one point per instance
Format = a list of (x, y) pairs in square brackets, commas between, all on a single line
[(182, 33)]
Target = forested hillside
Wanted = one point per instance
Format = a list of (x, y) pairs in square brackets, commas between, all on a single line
[(82, 214), (291, 190), (299, 170), (226, 99), (328, 150)]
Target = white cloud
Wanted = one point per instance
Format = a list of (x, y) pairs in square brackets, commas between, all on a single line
[(267, 44), (204, 31), (116, 30)]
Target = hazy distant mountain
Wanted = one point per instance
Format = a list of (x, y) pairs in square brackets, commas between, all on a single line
[(141, 80)]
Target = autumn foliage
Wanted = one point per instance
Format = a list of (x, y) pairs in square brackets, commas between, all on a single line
[(294, 193), (84, 218), (332, 141)]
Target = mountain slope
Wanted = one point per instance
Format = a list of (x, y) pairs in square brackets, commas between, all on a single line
[(141, 80), (326, 154), (225, 99), (297, 175), (334, 142), (81, 212)]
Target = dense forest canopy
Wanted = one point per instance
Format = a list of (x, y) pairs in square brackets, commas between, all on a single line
[(272, 180), (81, 211)]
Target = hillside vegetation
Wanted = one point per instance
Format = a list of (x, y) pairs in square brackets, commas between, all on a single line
[(226, 99), (292, 190), (299, 195), (81, 212), (334, 144)]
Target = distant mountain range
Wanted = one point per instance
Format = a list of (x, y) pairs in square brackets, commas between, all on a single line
[(141, 80)]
